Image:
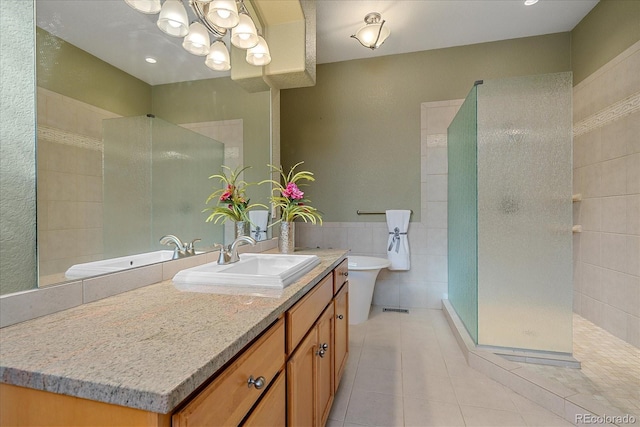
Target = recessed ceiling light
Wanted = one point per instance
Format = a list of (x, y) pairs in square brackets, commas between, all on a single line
[(530, 2), (151, 60)]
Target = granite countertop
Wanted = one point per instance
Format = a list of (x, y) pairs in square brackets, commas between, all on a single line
[(149, 348)]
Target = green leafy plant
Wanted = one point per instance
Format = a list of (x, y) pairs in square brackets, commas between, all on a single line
[(232, 201), (287, 196)]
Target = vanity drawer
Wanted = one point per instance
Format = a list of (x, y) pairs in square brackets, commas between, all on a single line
[(303, 315), (340, 275), (228, 399)]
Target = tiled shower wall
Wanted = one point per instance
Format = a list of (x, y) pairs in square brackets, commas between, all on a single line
[(607, 175), (69, 183), (425, 284), (70, 179)]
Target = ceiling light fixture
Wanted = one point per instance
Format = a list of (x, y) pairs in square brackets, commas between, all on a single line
[(530, 2), (374, 33), (214, 18), (150, 59)]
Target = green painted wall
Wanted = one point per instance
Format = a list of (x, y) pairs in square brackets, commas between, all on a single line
[(358, 129), (63, 68), (222, 99), (610, 28)]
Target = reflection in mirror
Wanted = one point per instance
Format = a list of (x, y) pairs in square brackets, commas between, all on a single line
[(79, 89), (136, 185)]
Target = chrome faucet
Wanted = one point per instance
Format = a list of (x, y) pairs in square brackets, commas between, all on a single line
[(190, 249), (180, 251), (230, 254)]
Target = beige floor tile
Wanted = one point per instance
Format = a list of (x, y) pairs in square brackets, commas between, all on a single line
[(381, 358), (482, 393), (435, 388), (419, 412), (484, 417), (374, 409), (383, 381)]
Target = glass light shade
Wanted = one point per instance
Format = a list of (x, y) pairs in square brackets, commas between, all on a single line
[(173, 19), (223, 13), (368, 34), (218, 57), (197, 41), (259, 55), (145, 6), (244, 35)]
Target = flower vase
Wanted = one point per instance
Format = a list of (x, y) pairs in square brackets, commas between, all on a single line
[(286, 243), (241, 228)]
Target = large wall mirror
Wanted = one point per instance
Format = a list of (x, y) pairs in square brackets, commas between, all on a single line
[(94, 87)]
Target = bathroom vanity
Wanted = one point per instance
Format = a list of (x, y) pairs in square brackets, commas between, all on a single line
[(157, 356)]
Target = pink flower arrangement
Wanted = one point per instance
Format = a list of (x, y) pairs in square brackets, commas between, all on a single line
[(290, 199), (232, 203), (292, 192)]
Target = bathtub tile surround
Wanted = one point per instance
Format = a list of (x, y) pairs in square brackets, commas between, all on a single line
[(425, 284), (607, 174)]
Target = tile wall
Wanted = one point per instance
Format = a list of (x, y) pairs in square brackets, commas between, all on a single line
[(70, 179), (607, 175), (69, 184), (425, 284)]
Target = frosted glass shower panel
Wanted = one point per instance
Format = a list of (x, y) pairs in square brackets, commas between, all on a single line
[(183, 161), (462, 214), (156, 182), (127, 186), (525, 213)]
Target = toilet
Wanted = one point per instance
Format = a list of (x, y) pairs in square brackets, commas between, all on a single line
[(363, 271)]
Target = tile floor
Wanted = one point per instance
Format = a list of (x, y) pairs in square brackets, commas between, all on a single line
[(407, 370), (610, 370)]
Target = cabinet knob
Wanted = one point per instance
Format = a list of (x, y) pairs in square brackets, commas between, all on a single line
[(322, 349), (345, 273), (340, 316), (257, 383)]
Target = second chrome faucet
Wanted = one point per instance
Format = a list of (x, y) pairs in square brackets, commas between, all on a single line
[(229, 254), (181, 249)]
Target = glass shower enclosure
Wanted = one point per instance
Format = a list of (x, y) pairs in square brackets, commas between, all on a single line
[(156, 183), (510, 213)]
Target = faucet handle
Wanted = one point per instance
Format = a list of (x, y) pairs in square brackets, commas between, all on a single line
[(191, 249), (223, 256)]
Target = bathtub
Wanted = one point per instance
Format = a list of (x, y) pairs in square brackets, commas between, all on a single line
[(363, 271), (113, 265)]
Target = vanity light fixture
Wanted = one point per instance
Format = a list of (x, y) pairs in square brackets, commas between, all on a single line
[(374, 33), (214, 18), (150, 7)]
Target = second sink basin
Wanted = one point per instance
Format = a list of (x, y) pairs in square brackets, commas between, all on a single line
[(262, 270)]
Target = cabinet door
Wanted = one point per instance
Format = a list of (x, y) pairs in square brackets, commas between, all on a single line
[(341, 345), (301, 382), (271, 411), (325, 366)]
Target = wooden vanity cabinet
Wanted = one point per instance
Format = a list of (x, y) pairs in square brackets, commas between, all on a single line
[(341, 335), (229, 398), (310, 375), (316, 362)]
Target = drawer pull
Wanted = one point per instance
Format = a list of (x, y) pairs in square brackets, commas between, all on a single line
[(257, 383), (345, 273), (340, 316)]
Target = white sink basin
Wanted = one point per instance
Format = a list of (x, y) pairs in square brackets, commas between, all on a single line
[(271, 271)]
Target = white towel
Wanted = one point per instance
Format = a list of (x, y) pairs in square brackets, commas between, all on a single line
[(258, 228), (398, 245)]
